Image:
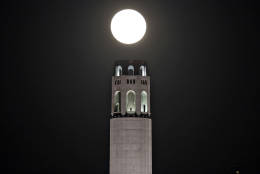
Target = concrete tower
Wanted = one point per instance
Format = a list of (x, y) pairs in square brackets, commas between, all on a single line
[(130, 122)]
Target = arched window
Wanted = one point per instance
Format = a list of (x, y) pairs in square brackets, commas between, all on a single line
[(131, 70), (143, 70), (117, 101), (144, 101), (130, 102), (118, 70)]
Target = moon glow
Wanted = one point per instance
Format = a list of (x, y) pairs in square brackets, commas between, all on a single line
[(128, 26)]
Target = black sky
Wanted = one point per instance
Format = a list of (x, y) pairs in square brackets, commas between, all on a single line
[(57, 63)]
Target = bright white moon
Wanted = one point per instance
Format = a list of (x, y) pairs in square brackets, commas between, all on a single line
[(128, 26)]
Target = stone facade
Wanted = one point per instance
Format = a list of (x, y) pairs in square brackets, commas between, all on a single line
[(130, 121), (130, 146), (138, 87)]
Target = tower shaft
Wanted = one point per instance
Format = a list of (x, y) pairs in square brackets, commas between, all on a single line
[(130, 145)]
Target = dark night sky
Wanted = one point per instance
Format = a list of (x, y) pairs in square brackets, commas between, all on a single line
[(56, 69)]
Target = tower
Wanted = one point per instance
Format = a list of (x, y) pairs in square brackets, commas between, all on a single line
[(130, 121)]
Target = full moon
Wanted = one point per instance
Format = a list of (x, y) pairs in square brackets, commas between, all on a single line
[(128, 26)]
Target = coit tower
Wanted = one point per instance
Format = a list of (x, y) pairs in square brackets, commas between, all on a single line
[(130, 121)]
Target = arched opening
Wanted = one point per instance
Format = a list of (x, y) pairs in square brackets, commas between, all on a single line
[(130, 102), (143, 70), (144, 107), (117, 101), (118, 70), (131, 70)]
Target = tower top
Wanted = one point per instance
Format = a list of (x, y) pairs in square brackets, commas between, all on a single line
[(130, 89), (138, 66)]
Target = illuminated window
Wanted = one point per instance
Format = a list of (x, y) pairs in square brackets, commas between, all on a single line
[(130, 102), (131, 70), (117, 101), (143, 70), (144, 101), (118, 70)]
